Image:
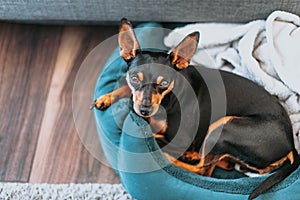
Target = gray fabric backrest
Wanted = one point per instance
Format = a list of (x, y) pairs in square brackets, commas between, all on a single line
[(144, 10)]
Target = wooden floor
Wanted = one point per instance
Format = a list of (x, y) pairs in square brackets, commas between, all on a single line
[(38, 139)]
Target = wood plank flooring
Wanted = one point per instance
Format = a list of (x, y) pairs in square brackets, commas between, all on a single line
[(38, 139)]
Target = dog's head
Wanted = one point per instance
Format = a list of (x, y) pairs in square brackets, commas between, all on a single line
[(151, 75)]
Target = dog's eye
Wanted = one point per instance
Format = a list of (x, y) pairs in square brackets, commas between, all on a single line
[(164, 84), (135, 80)]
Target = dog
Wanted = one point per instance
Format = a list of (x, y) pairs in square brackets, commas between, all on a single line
[(174, 97)]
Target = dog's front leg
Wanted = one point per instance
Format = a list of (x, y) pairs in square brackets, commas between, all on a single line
[(106, 100), (158, 127)]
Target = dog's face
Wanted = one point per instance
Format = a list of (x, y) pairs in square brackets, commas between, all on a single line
[(151, 75), (150, 79)]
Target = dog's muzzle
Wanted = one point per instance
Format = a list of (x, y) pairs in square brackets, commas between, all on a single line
[(146, 110)]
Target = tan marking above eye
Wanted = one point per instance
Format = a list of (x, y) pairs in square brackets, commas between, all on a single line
[(169, 89), (159, 80), (140, 76)]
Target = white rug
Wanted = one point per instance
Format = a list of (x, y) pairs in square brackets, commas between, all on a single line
[(25, 191)]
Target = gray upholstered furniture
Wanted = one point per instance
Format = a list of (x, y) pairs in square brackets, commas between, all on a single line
[(108, 11)]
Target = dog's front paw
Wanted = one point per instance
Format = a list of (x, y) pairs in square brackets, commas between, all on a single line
[(103, 102)]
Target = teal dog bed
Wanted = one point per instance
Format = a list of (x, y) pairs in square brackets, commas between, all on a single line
[(133, 153)]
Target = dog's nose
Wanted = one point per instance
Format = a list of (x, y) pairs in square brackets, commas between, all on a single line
[(146, 102), (146, 110)]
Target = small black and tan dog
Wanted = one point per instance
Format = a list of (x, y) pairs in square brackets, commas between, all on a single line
[(176, 99)]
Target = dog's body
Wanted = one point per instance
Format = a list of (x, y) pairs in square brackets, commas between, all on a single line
[(178, 100)]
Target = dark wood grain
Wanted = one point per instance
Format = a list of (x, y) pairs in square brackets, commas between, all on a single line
[(26, 57), (63, 143), (38, 138)]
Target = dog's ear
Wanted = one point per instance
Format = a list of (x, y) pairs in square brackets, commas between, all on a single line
[(182, 54), (127, 40)]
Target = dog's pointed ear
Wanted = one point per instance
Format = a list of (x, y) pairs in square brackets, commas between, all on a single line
[(127, 40), (185, 50)]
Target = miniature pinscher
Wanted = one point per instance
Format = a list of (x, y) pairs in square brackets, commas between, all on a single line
[(255, 132)]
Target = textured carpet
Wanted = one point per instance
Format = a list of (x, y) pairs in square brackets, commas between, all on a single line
[(10, 191)]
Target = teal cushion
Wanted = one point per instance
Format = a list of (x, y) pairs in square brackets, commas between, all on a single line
[(132, 151)]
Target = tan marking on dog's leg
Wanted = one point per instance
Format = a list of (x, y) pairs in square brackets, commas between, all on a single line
[(268, 169), (160, 126), (178, 163), (192, 155), (157, 126), (206, 170), (220, 122), (210, 170), (224, 162), (272, 166), (290, 157), (158, 136), (207, 164)]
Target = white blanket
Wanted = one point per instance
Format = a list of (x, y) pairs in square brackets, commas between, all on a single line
[(265, 51)]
